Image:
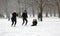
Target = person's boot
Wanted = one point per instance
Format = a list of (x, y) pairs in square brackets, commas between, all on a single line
[(22, 24), (25, 24), (12, 25)]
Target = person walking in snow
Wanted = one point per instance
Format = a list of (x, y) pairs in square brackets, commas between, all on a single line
[(24, 17), (13, 18)]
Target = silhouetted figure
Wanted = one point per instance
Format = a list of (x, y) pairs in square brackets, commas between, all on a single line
[(13, 19), (39, 16), (24, 16), (34, 22)]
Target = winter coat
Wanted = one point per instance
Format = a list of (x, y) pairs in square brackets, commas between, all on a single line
[(14, 15), (34, 22), (24, 15)]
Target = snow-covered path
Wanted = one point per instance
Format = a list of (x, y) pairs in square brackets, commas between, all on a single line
[(49, 27)]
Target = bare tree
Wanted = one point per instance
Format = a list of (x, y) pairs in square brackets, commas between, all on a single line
[(47, 11), (19, 9), (41, 8), (57, 2), (54, 13), (50, 12), (6, 9), (33, 9)]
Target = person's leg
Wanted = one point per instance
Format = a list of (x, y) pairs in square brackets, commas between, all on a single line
[(26, 21), (23, 21), (12, 23), (15, 22)]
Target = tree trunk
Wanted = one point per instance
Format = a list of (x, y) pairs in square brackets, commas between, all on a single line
[(25, 4), (7, 13), (59, 13), (50, 12), (33, 11), (46, 12), (41, 9), (19, 14), (58, 10), (58, 7), (54, 13)]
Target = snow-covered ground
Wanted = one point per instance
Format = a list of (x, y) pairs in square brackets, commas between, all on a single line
[(48, 27)]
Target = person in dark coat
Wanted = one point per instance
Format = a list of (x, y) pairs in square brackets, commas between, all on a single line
[(24, 16), (13, 19), (34, 22)]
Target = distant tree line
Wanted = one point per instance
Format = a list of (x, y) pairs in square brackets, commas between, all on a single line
[(48, 7)]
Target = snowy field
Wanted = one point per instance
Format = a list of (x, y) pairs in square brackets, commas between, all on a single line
[(48, 27)]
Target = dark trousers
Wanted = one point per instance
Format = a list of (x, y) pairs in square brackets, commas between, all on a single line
[(25, 19), (13, 21)]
